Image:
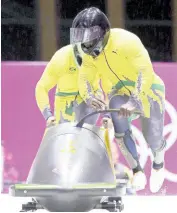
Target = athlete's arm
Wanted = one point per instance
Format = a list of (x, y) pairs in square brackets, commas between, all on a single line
[(47, 81)]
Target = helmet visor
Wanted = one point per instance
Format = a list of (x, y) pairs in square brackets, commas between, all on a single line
[(86, 36)]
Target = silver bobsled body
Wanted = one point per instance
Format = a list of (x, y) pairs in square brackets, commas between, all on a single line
[(73, 159)]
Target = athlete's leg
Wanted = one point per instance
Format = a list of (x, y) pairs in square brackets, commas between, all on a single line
[(123, 133), (126, 142), (152, 129)]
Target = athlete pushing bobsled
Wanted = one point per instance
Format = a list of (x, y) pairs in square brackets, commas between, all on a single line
[(120, 58), (63, 71)]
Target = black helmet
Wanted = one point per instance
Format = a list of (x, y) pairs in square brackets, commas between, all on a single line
[(91, 28)]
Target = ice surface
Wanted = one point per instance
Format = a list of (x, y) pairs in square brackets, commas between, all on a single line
[(133, 204)]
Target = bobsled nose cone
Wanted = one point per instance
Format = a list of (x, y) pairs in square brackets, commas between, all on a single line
[(71, 157)]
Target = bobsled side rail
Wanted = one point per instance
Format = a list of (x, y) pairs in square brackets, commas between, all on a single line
[(47, 191), (78, 186)]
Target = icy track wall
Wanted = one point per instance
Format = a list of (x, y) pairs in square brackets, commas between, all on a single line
[(23, 124)]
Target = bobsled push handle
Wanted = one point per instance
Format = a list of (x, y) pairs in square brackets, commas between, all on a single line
[(81, 122)]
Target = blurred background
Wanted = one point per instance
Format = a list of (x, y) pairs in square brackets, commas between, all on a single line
[(32, 30)]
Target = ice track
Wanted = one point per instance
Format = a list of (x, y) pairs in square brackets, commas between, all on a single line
[(133, 204)]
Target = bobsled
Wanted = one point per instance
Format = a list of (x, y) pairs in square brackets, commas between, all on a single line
[(72, 171)]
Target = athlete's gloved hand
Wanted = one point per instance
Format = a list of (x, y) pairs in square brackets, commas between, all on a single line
[(97, 103), (51, 121), (127, 110)]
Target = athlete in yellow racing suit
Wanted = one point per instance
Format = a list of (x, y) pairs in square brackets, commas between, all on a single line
[(62, 72), (121, 59)]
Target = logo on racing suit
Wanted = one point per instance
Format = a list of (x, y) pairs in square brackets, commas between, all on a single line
[(72, 70)]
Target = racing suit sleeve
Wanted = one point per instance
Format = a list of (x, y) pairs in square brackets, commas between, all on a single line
[(140, 61), (47, 81)]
